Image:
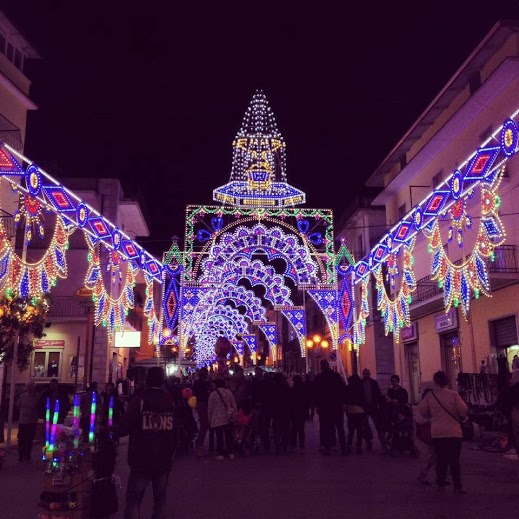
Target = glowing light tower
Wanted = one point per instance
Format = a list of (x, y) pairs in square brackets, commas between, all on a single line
[(258, 175)]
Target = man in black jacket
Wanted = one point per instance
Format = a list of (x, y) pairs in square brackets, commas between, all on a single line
[(149, 422), (329, 394)]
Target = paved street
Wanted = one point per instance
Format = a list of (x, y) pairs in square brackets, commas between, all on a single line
[(303, 486)]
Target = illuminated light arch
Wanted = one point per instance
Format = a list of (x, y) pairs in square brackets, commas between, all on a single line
[(460, 281), (109, 311), (223, 320), (32, 279), (238, 294), (257, 273), (395, 312), (274, 242)]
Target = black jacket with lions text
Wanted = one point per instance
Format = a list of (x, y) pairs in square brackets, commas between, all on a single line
[(150, 424)]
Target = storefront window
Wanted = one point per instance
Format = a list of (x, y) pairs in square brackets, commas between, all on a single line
[(46, 364)]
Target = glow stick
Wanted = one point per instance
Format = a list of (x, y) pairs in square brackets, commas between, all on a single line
[(92, 418), (111, 412), (76, 420), (47, 423), (54, 424)]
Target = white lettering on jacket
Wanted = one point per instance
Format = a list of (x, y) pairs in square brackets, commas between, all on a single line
[(152, 421)]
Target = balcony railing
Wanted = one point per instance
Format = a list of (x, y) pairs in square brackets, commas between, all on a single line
[(505, 262), (66, 306), (8, 223)]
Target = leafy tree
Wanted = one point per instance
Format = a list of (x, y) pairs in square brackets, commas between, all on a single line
[(26, 317)]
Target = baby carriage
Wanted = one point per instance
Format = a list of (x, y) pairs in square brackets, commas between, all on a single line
[(402, 431), (246, 433)]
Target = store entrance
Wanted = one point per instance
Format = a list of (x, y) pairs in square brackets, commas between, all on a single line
[(413, 369), (451, 357)]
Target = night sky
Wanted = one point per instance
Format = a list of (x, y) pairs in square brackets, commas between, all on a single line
[(153, 93)]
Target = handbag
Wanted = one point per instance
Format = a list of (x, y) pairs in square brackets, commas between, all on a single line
[(467, 427), (423, 433), (232, 416)]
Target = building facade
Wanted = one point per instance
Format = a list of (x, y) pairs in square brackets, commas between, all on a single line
[(447, 258)]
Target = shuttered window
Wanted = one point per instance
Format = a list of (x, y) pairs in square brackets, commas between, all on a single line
[(505, 332)]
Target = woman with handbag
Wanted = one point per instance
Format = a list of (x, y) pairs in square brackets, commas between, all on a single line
[(446, 410), (222, 414)]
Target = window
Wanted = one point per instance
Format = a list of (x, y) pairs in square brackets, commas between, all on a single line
[(3, 41), (46, 364), (437, 179), (18, 59), (485, 134), (402, 211), (360, 246), (10, 52)]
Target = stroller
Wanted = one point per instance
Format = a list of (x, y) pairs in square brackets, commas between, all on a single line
[(246, 435), (402, 431)]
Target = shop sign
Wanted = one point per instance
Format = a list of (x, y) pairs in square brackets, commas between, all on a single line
[(127, 340), (409, 334), (446, 322), (40, 344)]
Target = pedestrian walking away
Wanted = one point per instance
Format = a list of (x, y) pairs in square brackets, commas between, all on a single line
[(150, 425), (27, 405), (445, 409)]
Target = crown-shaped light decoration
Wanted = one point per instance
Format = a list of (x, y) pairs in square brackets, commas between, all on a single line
[(258, 175)]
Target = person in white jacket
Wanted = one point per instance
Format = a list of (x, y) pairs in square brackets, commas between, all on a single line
[(221, 408), (446, 410)]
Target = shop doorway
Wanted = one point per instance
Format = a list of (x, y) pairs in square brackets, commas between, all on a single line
[(413, 369), (451, 357)]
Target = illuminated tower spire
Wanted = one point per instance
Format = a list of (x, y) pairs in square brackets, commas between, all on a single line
[(258, 174)]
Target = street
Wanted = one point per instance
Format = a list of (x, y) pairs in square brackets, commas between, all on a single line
[(302, 486)]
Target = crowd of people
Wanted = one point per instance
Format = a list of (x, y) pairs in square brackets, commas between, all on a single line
[(210, 414)]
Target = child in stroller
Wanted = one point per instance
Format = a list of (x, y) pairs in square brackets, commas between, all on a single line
[(401, 437), (402, 431), (246, 430)]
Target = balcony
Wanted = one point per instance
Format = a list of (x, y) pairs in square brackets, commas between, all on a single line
[(8, 223), (65, 307), (503, 271)]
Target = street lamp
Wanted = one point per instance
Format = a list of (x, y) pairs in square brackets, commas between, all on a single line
[(310, 343)]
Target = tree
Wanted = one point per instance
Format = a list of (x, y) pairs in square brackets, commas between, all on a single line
[(25, 317)]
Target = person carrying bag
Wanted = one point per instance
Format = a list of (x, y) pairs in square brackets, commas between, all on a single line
[(221, 412), (446, 410)]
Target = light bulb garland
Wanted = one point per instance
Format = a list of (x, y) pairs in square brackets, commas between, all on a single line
[(460, 219), (395, 312), (109, 311), (359, 325), (27, 278), (470, 277)]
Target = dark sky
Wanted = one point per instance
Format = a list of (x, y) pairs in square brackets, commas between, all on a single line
[(154, 92)]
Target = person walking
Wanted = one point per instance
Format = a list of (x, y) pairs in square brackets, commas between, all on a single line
[(355, 412), (329, 398), (150, 425), (372, 406), (424, 424), (27, 405), (299, 407), (201, 390), (220, 410), (54, 395), (280, 412), (446, 409)]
